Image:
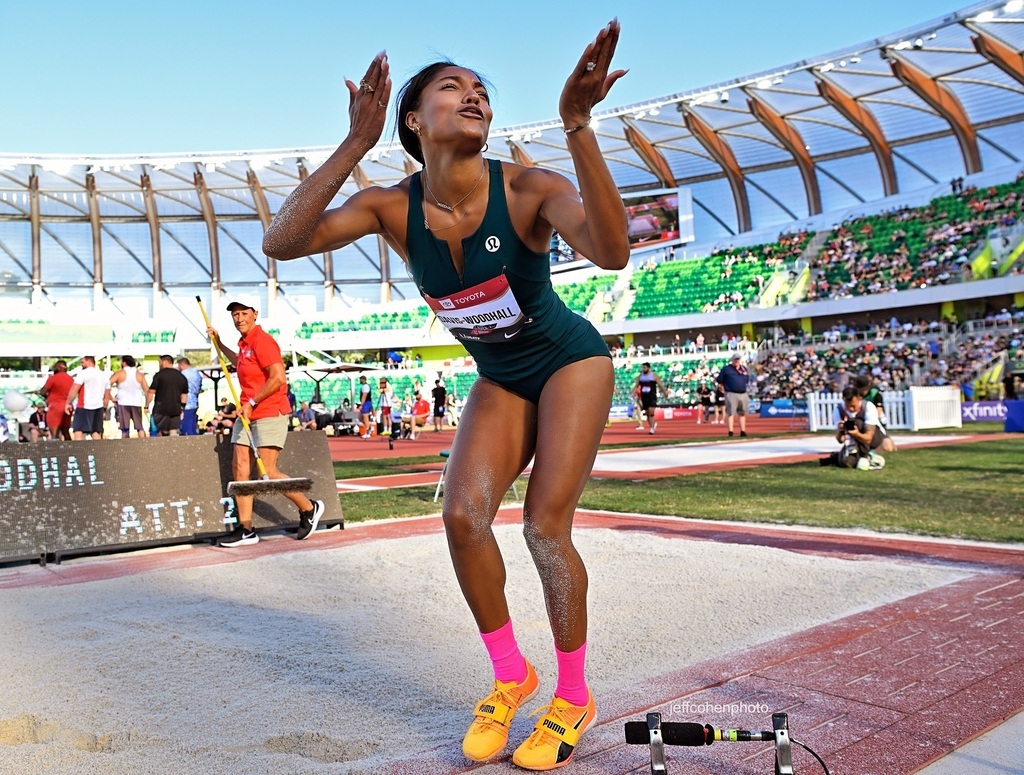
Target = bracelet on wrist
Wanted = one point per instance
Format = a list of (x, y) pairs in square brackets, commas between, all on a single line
[(576, 128), (252, 402)]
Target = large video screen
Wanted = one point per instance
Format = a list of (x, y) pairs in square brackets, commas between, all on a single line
[(659, 217)]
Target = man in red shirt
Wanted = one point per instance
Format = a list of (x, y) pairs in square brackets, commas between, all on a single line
[(264, 403), (55, 390), (417, 416)]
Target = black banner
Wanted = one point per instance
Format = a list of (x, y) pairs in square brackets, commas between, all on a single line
[(62, 497)]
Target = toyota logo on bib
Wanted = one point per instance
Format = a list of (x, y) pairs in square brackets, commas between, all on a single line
[(492, 244)]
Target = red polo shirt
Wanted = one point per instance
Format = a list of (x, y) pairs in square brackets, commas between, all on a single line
[(257, 352)]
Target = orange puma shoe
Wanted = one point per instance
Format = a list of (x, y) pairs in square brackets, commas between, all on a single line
[(556, 734), (488, 734)]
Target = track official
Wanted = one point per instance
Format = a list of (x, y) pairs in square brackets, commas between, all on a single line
[(264, 403), (734, 378)]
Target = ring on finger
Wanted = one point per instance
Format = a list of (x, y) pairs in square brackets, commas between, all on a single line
[(589, 66), (365, 85), (381, 104)]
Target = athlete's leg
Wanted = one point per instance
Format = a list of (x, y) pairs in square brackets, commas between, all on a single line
[(566, 448), (493, 444)]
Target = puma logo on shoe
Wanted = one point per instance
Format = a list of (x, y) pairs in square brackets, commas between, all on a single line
[(558, 729)]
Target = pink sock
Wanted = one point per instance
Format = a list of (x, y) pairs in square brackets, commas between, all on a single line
[(572, 686), (508, 661)]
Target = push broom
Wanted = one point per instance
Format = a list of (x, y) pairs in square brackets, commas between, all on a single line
[(264, 484)]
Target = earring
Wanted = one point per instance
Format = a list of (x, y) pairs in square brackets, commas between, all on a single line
[(484, 149)]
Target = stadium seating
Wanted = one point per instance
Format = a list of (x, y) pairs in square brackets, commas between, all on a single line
[(152, 337), (729, 279), (577, 296), (372, 321), (913, 247)]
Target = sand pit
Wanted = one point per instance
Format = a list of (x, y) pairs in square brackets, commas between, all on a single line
[(347, 659)]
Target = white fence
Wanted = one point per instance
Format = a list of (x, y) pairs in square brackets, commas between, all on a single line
[(918, 408)]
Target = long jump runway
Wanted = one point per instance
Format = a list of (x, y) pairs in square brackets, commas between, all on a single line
[(353, 652)]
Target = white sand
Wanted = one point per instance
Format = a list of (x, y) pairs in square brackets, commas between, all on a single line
[(294, 663)]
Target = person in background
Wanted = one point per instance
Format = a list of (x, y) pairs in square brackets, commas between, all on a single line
[(365, 407), (168, 392), (190, 416), (266, 407), (734, 379), (859, 425), (306, 417), (416, 417), (704, 397), (224, 419), (293, 402), (647, 386), (440, 399), (385, 403), (37, 428), (131, 387), (94, 390), (55, 390)]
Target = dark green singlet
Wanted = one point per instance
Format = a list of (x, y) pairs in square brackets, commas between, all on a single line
[(541, 334)]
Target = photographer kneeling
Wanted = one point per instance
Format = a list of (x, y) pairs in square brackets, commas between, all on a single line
[(860, 433)]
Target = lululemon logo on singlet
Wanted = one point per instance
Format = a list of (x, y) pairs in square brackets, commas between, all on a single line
[(492, 244)]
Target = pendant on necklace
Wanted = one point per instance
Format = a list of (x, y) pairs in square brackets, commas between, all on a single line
[(443, 206)]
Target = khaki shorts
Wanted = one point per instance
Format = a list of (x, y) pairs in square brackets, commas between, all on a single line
[(736, 403), (269, 432)]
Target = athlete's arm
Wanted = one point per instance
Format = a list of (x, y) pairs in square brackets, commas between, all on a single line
[(302, 226), (592, 222)]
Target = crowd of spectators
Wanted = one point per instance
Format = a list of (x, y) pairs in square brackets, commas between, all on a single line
[(898, 356), (853, 264), (773, 255), (797, 373), (769, 257), (970, 356)]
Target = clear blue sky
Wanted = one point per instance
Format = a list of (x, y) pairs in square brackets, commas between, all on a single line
[(113, 76)]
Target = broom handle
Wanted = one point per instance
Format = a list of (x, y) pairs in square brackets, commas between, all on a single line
[(234, 394)]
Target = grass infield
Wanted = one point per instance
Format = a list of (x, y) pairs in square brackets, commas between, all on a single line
[(973, 491)]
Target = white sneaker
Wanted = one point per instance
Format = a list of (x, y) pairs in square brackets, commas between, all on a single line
[(863, 464), (876, 461)]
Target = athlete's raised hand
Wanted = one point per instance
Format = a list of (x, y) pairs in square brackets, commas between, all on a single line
[(368, 101), (590, 80)]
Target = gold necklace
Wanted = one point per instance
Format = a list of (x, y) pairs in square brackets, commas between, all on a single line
[(450, 208)]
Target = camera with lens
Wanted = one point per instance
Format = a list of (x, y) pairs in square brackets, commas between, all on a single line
[(849, 424)]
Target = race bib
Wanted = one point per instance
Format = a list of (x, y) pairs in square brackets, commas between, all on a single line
[(488, 312)]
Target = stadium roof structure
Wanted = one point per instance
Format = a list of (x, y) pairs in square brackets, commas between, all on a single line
[(898, 114)]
